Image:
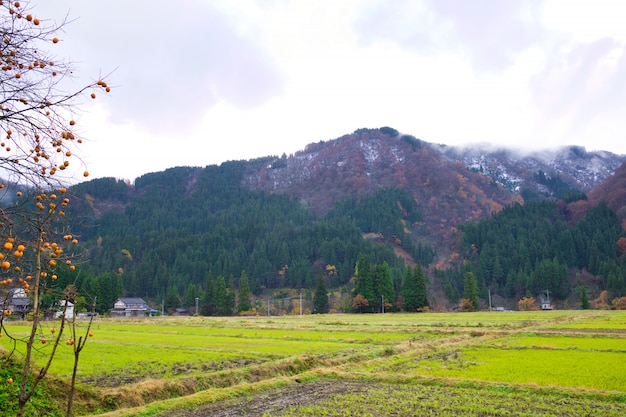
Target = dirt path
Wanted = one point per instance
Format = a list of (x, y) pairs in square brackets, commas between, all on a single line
[(274, 401)]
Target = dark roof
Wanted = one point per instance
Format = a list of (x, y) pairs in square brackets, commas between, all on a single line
[(20, 301), (131, 300)]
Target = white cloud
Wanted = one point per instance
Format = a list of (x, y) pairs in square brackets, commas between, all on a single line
[(203, 82)]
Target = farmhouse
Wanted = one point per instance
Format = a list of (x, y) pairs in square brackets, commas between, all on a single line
[(69, 311), (18, 302), (129, 307), (183, 312)]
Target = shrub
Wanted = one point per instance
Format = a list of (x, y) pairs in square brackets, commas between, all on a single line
[(527, 304), (619, 303)]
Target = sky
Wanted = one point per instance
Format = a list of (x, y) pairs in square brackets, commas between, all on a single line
[(200, 82)]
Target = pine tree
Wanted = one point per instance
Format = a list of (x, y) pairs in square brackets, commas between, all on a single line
[(498, 272), (470, 289), (189, 299), (408, 290), (451, 292), (584, 299), (172, 299), (208, 301), (221, 297), (615, 284), (320, 299), (422, 293), (244, 293), (414, 289), (230, 301), (383, 285), (364, 284)]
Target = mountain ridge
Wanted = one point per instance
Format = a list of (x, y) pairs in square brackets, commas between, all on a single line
[(374, 192), (441, 178)]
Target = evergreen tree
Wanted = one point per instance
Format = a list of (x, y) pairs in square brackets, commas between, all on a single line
[(584, 299), (244, 293), (615, 284), (231, 295), (408, 290), (222, 302), (189, 299), (172, 299), (470, 289), (364, 284), (208, 301), (107, 287), (498, 276), (231, 302), (422, 293), (320, 299), (90, 287), (414, 289), (451, 292), (383, 285)]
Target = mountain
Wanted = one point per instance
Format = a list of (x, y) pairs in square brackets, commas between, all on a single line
[(368, 160), (467, 184), (567, 167), (613, 192), (390, 197)]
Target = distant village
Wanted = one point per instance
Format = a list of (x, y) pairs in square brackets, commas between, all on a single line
[(19, 303)]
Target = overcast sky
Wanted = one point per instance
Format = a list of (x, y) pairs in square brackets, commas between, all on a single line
[(200, 82)]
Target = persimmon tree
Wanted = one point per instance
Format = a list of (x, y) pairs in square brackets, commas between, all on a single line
[(38, 141)]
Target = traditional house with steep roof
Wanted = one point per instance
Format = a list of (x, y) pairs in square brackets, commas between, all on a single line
[(18, 302), (130, 307)]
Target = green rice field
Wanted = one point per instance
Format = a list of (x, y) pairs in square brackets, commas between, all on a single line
[(554, 363)]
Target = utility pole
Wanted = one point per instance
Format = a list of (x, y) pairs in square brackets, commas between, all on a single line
[(268, 307), (383, 304), (300, 302), (489, 290), (197, 306)]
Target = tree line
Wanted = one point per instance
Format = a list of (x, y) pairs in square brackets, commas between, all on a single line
[(176, 228), (525, 250)]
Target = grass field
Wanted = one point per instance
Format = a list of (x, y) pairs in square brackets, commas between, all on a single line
[(558, 363)]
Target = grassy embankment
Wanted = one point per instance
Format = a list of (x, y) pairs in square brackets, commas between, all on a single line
[(462, 362)]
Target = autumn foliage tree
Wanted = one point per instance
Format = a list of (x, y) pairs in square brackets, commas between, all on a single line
[(359, 303), (619, 303), (38, 138), (621, 244), (527, 304)]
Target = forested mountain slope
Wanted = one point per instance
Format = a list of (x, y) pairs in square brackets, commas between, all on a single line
[(527, 250), (613, 192), (283, 221), (177, 228)]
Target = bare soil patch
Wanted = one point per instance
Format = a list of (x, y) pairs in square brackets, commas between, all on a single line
[(274, 401)]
